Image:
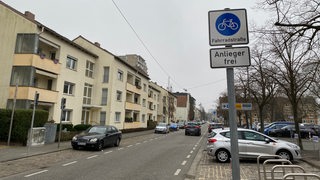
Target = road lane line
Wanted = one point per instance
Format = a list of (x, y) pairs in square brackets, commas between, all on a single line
[(191, 152), (145, 141), (177, 172), (36, 173), (92, 156), (67, 164), (120, 148), (107, 152), (184, 163), (129, 146), (188, 156), (138, 143)]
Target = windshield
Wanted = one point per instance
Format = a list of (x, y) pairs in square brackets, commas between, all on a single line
[(162, 124), (99, 130)]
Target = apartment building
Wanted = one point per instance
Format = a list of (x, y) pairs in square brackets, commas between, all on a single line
[(99, 87), (185, 106)]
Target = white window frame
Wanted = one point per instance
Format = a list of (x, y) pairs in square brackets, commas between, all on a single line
[(89, 69), (87, 93), (117, 117), (67, 114), (120, 75), (119, 95), (71, 63), (70, 88)]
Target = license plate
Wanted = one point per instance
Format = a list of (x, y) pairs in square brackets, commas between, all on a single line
[(81, 143)]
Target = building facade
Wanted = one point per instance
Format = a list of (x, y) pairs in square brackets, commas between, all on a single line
[(99, 87)]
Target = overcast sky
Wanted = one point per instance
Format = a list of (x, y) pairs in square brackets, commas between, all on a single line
[(174, 31)]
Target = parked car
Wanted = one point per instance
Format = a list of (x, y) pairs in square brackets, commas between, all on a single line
[(162, 128), (97, 137), (214, 125), (306, 131), (251, 145), (276, 125), (192, 128), (174, 127), (181, 125)]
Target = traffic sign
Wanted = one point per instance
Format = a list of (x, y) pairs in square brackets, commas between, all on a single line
[(238, 106), (230, 57), (228, 27)]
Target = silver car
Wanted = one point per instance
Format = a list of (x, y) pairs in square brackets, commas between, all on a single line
[(162, 128), (251, 145)]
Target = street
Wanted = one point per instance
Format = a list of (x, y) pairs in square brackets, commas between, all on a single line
[(151, 156)]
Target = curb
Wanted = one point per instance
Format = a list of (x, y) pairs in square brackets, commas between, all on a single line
[(191, 174)]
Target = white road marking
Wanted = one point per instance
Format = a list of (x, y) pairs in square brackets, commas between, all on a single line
[(120, 148), (177, 172), (130, 146), (145, 141), (191, 152), (194, 148), (188, 156), (138, 143), (92, 156), (36, 173), (67, 164), (107, 152), (195, 145), (184, 163)]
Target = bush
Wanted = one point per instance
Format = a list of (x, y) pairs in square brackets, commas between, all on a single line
[(69, 127), (81, 127), (21, 123), (151, 124)]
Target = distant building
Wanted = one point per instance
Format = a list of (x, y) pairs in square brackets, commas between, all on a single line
[(185, 106)]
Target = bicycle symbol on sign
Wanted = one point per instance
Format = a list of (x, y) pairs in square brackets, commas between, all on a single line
[(228, 23)]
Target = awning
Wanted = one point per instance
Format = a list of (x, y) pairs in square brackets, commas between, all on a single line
[(38, 71)]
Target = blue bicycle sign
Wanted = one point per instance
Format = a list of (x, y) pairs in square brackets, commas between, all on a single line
[(227, 24)]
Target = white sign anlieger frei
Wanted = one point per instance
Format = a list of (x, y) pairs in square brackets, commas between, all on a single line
[(230, 57)]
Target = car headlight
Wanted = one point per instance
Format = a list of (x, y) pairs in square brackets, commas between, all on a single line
[(293, 146), (93, 140), (74, 138)]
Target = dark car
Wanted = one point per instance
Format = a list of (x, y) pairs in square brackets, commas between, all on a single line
[(289, 131), (192, 128), (97, 137)]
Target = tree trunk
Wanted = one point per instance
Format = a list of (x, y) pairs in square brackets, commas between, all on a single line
[(296, 123), (261, 120)]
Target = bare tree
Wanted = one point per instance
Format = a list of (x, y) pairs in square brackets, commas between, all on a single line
[(299, 19), (294, 69), (260, 85)]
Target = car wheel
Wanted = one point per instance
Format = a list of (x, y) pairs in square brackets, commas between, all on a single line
[(117, 143), (285, 154), (186, 133), (100, 146), (75, 147), (223, 156), (199, 134)]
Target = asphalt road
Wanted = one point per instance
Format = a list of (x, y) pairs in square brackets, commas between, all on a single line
[(151, 156)]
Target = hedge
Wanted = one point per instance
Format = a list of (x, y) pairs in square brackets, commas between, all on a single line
[(21, 123)]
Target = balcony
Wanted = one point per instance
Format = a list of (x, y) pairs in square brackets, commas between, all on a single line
[(133, 106), (37, 61), (133, 88), (28, 93)]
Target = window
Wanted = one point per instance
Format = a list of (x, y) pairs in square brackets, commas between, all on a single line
[(143, 118), (66, 116), (103, 117), (120, 75), (144, 102), (68, 88), (27, 43), (144, 87), (71, 63), (104, 97), (106, 74), (119, 94), (89, 69), (85, 116), (87, 93), (117, 117), (21, 75)]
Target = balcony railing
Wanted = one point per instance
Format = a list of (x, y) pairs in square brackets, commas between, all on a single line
[(28, 93)]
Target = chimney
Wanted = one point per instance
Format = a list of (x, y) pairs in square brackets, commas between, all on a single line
[(97, 44), (29, 15)]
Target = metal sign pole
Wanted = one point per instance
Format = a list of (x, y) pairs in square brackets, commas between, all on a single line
[(233, 126), (12, 113), (35, 102)]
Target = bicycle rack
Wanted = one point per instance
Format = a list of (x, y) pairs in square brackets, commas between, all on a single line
[(274, 160), (284, 168), (305, 175)]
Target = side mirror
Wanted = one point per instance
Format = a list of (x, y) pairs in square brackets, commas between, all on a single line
[(267, 140)]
